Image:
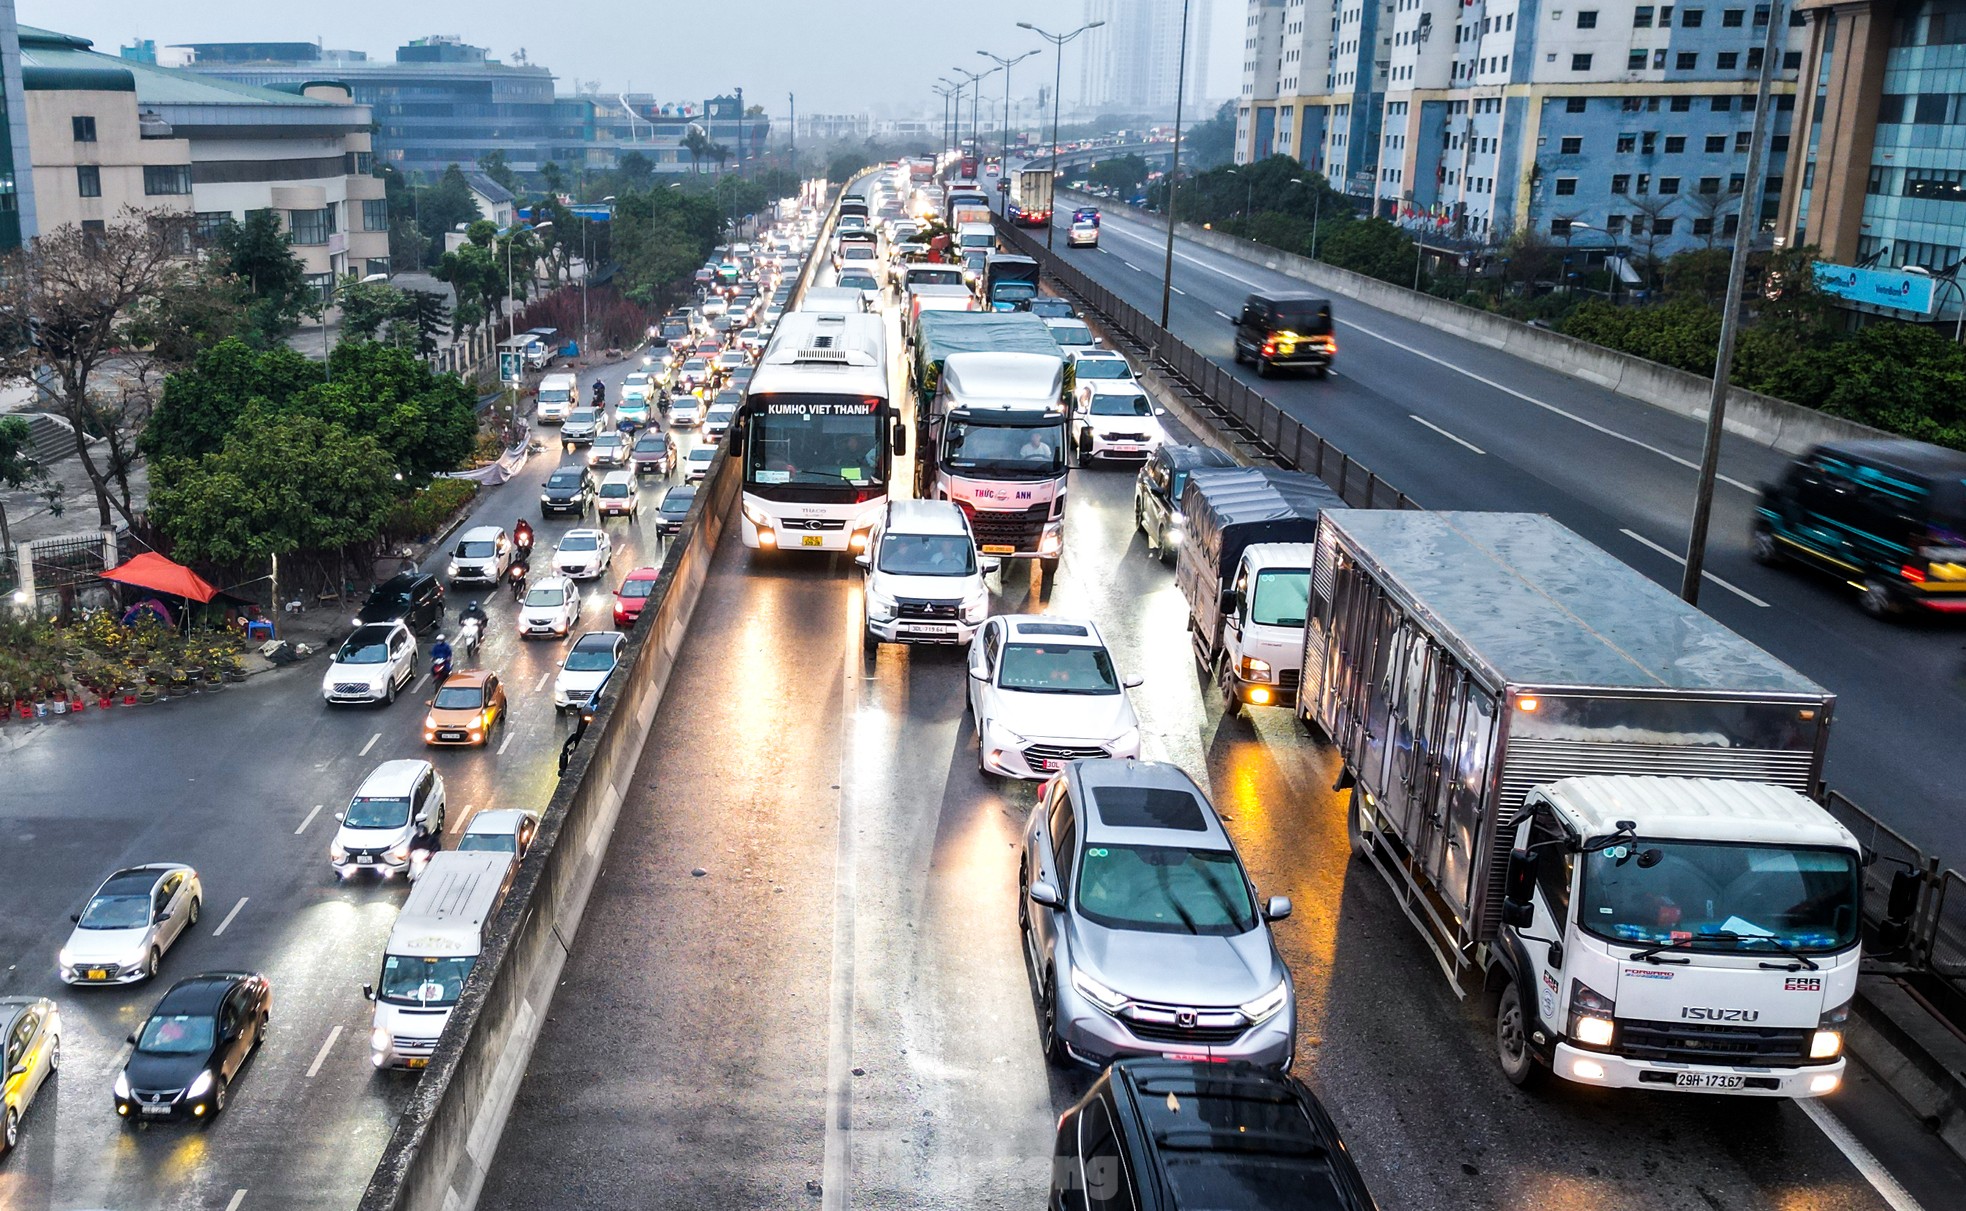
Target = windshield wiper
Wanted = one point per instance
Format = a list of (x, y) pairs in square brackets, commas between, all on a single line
[(1651, 953), (1738, 939)]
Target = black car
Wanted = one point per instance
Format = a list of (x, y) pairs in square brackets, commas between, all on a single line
[(674, 508), (567, 490), (415, 597), (1285, 330), (191, 1048), (1157, 494), (1167, 1135), (1048, 307), (1888, 516)]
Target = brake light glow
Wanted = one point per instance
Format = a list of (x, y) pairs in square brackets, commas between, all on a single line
[(1913, 573)]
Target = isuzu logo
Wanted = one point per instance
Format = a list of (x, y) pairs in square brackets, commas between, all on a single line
[(1707, 1013)]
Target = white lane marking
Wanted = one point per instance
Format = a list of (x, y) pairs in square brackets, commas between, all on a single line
[(369, 745), (238, 1196), (1487, 382), (836, 1158), (1131, 265), (320, 1057), (1679, 559), (505, 744), (1225, 315), (228, 916), (309, 820), (1179, 291), (1860, 1157), (540, 684), (1444, 433), (420, 683)]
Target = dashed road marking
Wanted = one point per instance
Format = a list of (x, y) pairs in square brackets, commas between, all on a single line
[(1679, 559), (369, 745), (309, 820), (505, 744), (238, 1196), (228, 916), (1225, 315), (321, 1056), (541, 683), (1444, 433), (420, 683), (1179, 291)]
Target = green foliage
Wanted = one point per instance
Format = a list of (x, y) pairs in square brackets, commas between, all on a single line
[(1125, 174), (634, 170), (494, 165), (1208, 144), (841, 168), (203, 403), (368, 307), (425, 317), (258, 253), (301, 483), (1373, 247), (205, 306), (425, 512), (1683, 333)]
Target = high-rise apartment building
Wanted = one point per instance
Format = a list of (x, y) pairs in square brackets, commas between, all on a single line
[(17, 212), (1477, 119), (1133, 61)]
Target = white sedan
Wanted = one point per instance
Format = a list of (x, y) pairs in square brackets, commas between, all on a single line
[(583, 554), (1042, 692), (552, 607)]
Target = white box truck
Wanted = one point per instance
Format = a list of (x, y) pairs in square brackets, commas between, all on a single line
[(1591, 799), (431, 949)]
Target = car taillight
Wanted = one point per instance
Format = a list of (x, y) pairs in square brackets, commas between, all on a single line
[(1913, 573)]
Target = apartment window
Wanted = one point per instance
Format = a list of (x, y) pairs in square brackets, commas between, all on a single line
[(1778, 144), (1574, 105), (320, 283), (1702, 226), (1587, 19), (1736, 183), (1559, 226), (1635, 61), (1566, 186), (1690, 18), (1791, 60), (1663, 226), (88, 180), (1709, 185), (1668, 184), (205, 224), (1716, 145), (1731, 18), (364, 163), (1730, 225), (1937, 184), (1930, 109), (310, 226), (1638, 224), (1649, 143), (1727, 60), (85, 128), (1642, 17), (1754, 58), (1891, 108), (1682, 104), (1760, 15), (1747, 104), (163, 179), (1573, 145), (1627, 144), (94, 229), (374, 265), (1686, 60), (1665, 15), (1580, 63), (1621, 182), (1722, 105), (1742, 138), (1614, 224), (375, 214)]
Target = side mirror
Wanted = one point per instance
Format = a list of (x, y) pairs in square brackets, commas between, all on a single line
[(341, 816), (75, 917), (1231, 601), (1045, 895), (1132, 682), (1518, 914), (131, 1039), (17, 1070), (863, 560), (368, 992), (900, 441), (430, 702), (1518, 885), (1276, 908), (990, 565), (1903, 897)]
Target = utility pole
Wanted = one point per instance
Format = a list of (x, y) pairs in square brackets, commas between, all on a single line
[(740, 132), (1003, 142), (792, 99), (1174, 168), (1730, 314), (1058, 42)]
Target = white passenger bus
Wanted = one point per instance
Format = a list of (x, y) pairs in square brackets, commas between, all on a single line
[(817, 435)]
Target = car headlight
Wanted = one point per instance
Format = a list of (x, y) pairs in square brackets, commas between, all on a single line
[(1127, 741), (1004, 733), (451, 569), (880, 607), (976, 608), (400, 851), (65, 957), (544, 499), (200, 1085), (1593, 1016), (122, 1086), (1097, 993), (379, 1039), (1266, 1006), (337, 852), (430, 723)]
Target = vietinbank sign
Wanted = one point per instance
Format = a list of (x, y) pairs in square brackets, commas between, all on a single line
[(1889, 288)]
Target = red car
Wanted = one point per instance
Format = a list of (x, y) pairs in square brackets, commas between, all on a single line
[(633, 595)]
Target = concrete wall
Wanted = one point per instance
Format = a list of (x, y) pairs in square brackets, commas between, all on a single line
[(1784, 426)]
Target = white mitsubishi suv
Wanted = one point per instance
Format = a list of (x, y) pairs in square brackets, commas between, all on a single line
[(924, 578), (1043, 692)]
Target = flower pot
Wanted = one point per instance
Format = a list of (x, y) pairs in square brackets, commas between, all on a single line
[(129, 699), (24, 708), (41, 710), (147, 695), (105, 701)]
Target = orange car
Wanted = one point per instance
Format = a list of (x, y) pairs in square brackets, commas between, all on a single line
[(467, 706)]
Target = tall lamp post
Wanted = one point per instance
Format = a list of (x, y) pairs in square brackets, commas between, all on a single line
[(1058, 42), (948, 90), (1249, 196), (1003, 143), (1174, 168)]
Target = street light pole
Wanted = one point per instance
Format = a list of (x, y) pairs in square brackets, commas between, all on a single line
[(1058, 42), (1730, 315), (1174, 168), (1003, 141)]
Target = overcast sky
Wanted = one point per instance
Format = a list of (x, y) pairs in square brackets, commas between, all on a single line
[(837, 55)]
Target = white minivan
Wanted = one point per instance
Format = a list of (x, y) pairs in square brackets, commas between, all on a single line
[(481, 556), (559, 394), (924, 579), (431, 949), (398, 803)]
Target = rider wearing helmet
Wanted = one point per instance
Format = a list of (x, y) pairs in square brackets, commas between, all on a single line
[(522, 535), (440, 655), (477, 611)]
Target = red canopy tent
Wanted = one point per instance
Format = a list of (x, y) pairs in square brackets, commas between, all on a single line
[(152, 571)]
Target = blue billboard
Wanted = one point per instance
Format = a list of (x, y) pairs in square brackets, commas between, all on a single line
[(1893, 289)]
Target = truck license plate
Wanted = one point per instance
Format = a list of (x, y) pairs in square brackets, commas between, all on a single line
[(812, 540), (1707, 1080)]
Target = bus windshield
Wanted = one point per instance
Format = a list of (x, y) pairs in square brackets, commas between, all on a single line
[(815, 439)]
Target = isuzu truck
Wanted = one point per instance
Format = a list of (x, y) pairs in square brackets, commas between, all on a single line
[(1591, 799)]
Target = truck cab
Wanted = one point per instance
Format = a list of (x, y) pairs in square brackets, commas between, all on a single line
[(1683, 934), (999, 452), (1263, 629)]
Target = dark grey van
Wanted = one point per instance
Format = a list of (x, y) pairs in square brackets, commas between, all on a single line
[(1285, 330), (1157, 494)]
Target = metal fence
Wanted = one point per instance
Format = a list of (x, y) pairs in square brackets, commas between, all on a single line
[(1243, 414)]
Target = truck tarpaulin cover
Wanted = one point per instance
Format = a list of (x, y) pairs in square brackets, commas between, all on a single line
[(946, 332), (1229, 508)]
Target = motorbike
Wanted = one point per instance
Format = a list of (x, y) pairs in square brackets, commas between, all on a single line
[(440, 667), (469, 633), (515, 578), (522, 542)]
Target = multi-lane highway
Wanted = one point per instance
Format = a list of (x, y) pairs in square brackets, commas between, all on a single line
[(1458, 425), (798, 981), (244, 785)]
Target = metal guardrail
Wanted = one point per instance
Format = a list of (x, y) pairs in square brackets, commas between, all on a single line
[(1244, 414)]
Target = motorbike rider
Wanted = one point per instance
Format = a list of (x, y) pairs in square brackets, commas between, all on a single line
[(516, 577), (475, 612), (522, 535), (600, 393), (440, 657)]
